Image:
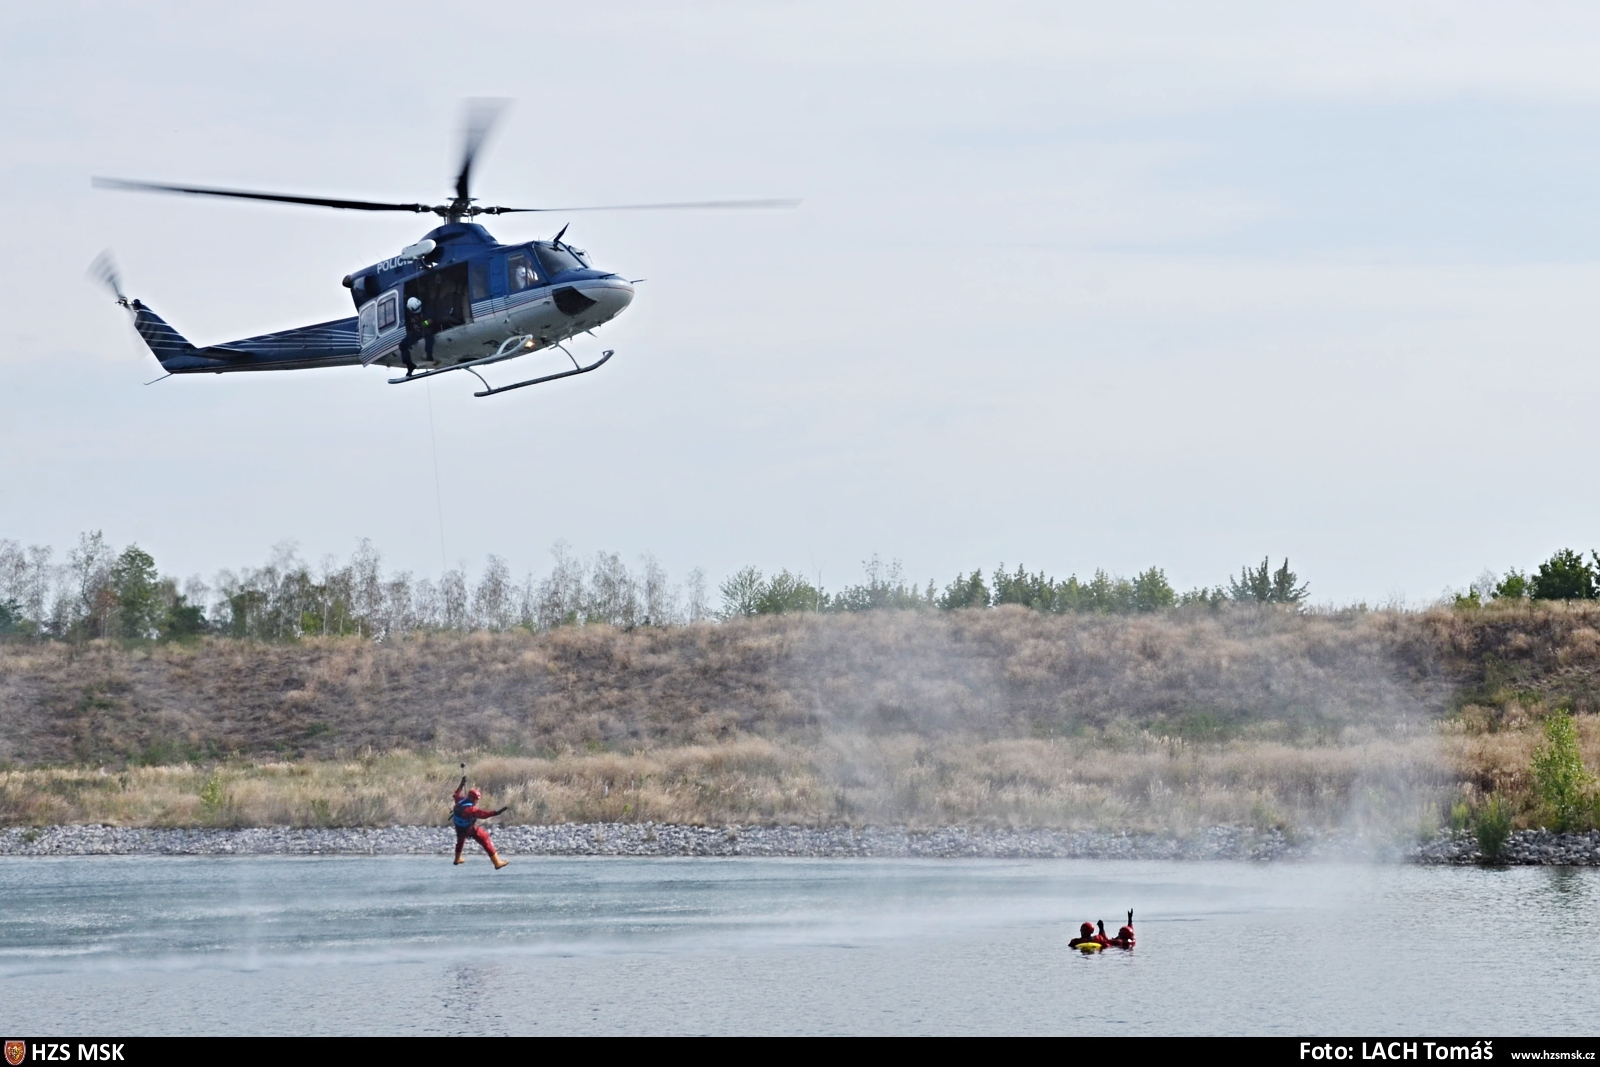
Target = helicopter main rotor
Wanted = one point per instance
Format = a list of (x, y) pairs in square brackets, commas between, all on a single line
[(481, 117)]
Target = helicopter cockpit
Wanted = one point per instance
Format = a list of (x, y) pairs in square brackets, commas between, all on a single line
[(559, 258)]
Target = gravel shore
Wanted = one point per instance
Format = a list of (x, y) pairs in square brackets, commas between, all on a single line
[(647, 839), (1526, 847)]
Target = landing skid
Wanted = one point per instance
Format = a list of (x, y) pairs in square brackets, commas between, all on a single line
[(510, 348), (576, 369)]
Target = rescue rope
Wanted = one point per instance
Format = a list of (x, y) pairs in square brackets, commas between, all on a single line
[(438, 498)]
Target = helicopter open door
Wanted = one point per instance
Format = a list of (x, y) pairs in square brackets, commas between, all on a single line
[(446, 301)]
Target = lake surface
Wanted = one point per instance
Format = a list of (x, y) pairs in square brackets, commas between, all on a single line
[(413, 945)]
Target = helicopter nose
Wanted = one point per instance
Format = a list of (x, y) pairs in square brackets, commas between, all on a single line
[(613, 297)]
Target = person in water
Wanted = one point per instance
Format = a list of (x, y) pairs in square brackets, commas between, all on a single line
[(1124, 938), (465, 816), (1087, 936)]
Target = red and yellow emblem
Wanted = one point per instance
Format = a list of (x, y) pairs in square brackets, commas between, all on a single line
[(16, 1051)]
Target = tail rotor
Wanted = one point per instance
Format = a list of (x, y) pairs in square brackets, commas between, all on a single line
[(104, 271)]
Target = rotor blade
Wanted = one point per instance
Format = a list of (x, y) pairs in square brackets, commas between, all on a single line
[(481, 116), (104, 271), (645, 207), (313, 201)]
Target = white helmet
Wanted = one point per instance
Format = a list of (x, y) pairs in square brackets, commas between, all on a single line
[(413, 304)]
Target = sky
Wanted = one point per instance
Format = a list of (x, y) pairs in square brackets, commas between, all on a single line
[(1071, 285)]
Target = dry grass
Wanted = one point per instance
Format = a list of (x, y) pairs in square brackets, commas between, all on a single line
[(1003, 717), (991, 674), (1138, 782)]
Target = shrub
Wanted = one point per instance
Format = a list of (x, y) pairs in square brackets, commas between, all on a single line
[(1563, 781), (183, 619), (1564, 576), (885, 587), (1514, 586), (1493, 828), (1263, 585), (786, 592), (1152, 591), (742, 593), (969, 591)]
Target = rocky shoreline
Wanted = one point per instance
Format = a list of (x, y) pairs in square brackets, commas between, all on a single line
[(1525, 848), (650, 839)]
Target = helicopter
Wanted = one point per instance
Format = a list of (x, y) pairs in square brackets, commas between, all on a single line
[(457, 294)]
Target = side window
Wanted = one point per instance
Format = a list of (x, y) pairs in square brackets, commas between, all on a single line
[(369, 323), (389, 312), (478, 281), (520, 273)]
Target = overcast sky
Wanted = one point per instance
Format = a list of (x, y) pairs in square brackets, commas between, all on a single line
[(1072, 285)]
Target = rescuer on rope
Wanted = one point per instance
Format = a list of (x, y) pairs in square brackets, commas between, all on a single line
[(465, 816)]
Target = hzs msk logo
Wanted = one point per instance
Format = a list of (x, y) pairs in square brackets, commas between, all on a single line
[(15, 1051)]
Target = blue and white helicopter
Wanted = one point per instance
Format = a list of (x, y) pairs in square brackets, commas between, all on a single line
[(455, 300)]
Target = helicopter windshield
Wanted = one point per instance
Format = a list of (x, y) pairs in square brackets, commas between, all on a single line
[(557, 258)]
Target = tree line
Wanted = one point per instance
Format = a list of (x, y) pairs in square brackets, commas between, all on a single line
[(749, 592), (100, 592), (1566, 575)]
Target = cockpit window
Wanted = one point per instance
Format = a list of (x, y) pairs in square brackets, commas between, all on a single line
[(520, 273), (556, 259)]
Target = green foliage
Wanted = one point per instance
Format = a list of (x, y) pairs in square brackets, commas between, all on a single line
[(885, 587), (965, 592), (1563, 781), (1564, 576), (97, 594), (786, 593), (183, 619), (1263, 585), (1514, 586), (1104, 593), (212, 798), (1493, 828), (1460, 815), (136, 587), (1152, 591), (245, 611), (1029, 590), (749, 593), (1200, 596), (741, 594)]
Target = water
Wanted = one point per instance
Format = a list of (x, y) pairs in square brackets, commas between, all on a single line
[(403, 945)]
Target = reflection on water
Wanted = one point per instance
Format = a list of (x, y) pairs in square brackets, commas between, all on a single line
[(415, 945)]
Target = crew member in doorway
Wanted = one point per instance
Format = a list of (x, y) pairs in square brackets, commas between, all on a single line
[(418, 326), (465, 816)]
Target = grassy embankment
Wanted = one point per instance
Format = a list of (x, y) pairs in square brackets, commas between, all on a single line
[(1001, 717)]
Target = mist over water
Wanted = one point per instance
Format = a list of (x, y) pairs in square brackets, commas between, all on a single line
[(412, 945)]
